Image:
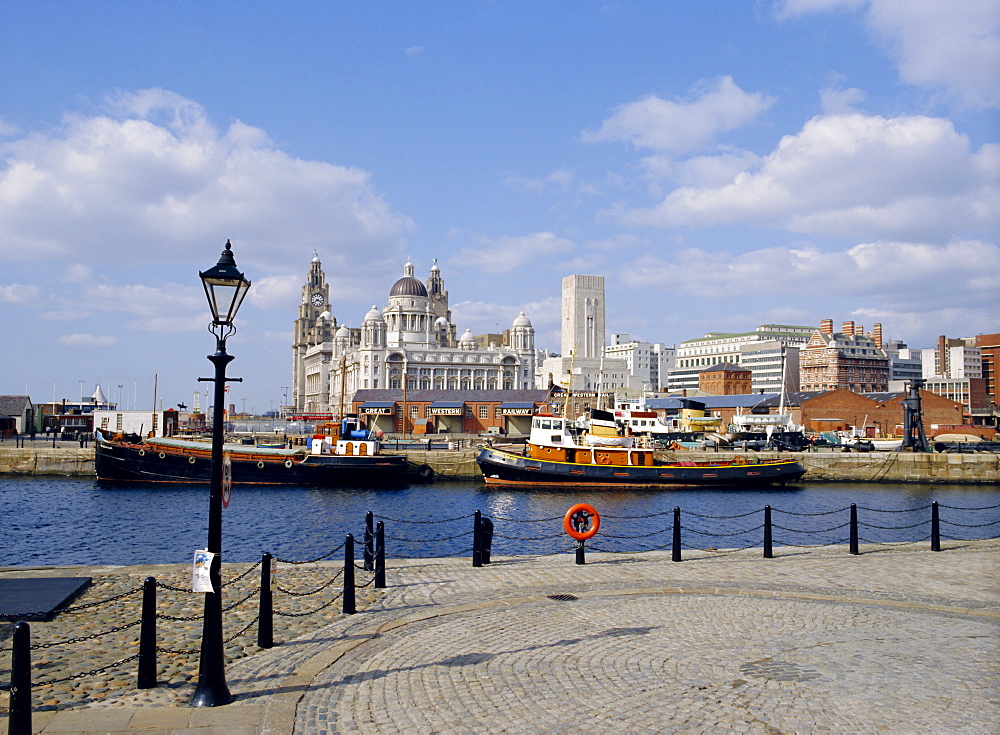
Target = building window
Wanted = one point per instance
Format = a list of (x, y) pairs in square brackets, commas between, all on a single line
[(484, 412), (414, 411)]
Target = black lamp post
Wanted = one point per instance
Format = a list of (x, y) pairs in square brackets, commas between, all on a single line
[(225, 288)]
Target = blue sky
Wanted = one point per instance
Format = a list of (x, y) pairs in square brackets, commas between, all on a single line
[(723, 164)]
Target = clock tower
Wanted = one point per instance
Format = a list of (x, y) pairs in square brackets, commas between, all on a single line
[(310, 330)]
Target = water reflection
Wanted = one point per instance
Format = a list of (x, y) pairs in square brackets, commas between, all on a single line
[(52, 521)]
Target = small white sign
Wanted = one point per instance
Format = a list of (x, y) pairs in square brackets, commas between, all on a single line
[(227, 480), (201, 581), (274, 574)]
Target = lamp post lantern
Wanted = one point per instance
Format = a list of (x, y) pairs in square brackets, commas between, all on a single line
[(225, 288)]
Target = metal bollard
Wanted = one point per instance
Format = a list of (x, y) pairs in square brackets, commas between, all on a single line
[(380, 555), (935, 527), (19, 718), (676, 551), (369, 541), (854, 529), (486, 539), (147, 636), (581, 556), (768, 550), (477, 542), (349, 602), (265, 610)]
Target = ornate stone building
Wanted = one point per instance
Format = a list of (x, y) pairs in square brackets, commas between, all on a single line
[(848, 360), (313, 329), (411, 343)]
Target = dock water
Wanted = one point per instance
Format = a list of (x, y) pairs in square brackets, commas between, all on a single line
[(460, 464)]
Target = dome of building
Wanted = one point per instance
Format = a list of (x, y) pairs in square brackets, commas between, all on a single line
[(522, 321), (408, 286), (343, 333), (374, 315), (324, 316), (468, 340), (440, 322)]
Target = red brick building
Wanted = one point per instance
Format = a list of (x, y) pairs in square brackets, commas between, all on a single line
[(989, 344), (395, 411), (845, 360), (879, 414), (725, 379)]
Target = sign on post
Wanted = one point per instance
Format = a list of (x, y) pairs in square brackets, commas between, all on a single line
[(227, 480)]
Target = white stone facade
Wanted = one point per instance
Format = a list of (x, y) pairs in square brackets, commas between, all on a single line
[(411, 343)]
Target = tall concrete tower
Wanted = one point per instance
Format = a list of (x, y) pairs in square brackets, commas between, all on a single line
[(583, 316)]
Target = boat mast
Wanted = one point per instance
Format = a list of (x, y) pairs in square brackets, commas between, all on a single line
[(569, 383)]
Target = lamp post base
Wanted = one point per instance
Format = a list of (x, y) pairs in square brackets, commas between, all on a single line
[(211, 695)]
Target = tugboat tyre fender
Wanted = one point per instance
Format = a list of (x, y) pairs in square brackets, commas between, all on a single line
[(288, 463), (425, 472), (161, 455), (142, 452), (260, 465), (190, 460)]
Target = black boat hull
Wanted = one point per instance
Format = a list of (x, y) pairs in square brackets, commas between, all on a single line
[(128, 463), (504, 468)]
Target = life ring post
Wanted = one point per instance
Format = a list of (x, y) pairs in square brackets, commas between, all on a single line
[(581, 553), (581, 522)]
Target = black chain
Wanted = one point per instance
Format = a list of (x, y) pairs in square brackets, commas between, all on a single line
[(72, 609), (971, 525), (735, 533), (956, 507), (237, 578), (529, 538), (536, 520), (313, 592), (170, 587), (310, 612), (428, 540), (310, 561), (902, 510), (820, 530), (644, 535), (894, 528), (700, 515), (402, 520), (90, 637), (86, 674), (821, 513), (243, 630)]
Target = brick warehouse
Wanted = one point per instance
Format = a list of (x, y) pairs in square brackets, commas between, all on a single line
[(880, 413)]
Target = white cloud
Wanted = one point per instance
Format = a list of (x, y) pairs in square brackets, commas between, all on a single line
[(147, 301), (835, 101), (505, 254), (17, 293), (853, 175), (155, 176), (920, 278), (559, 180), (952, 45), (87, 340), (271, 292), (672, 126)]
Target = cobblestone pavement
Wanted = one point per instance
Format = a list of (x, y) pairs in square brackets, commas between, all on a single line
[(897, 639)]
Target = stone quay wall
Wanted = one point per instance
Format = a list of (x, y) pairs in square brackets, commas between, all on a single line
[(829, 466)]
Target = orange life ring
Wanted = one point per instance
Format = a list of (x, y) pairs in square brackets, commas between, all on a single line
[(581, 512), (739, 460)]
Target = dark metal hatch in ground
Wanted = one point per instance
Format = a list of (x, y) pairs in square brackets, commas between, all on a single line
[(35, 598)]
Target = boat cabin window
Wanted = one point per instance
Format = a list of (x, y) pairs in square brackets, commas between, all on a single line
[(546, 424)]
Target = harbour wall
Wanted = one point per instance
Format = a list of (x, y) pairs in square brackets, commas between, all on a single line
[(982, 468)]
